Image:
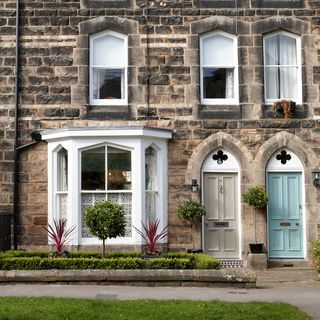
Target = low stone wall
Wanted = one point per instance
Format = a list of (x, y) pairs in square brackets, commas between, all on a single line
[(243, 278)]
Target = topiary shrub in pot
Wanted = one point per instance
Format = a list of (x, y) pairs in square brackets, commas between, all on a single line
[(105, 219), (191, 211), (258, 199)]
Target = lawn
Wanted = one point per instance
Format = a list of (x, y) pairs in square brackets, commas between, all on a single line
[(81, 309)]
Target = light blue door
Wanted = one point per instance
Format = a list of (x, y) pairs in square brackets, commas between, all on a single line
[(285, 223)]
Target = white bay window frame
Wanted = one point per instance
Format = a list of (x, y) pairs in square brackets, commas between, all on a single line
[(109, 65), (298, 98), (135, 139), (232, 65)]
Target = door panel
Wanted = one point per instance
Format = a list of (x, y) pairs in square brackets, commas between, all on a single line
[(221, 222), (285, 223)]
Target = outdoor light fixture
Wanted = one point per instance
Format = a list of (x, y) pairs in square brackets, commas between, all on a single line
[(194, 186), (316, 177)]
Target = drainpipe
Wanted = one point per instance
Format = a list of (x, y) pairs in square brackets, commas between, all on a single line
[(16, 124), (36, 137)]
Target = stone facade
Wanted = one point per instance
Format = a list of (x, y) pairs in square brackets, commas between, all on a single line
[(163, 91)]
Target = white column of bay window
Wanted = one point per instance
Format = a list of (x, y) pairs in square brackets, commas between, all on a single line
[(74, 206), (162, 176), (51, 182), (137, 188)]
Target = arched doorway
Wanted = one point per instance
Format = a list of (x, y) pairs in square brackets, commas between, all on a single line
[(286, 223), (221, 197)]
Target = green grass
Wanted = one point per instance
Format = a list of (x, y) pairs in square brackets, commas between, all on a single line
[(12, 308)]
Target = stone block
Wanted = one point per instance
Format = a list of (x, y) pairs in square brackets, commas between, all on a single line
[(257, 261)]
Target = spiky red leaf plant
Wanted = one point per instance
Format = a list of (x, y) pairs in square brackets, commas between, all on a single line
[(59, 234), (150, 235)]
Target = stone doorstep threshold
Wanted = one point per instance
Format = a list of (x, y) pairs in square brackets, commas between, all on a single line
[(241, 278)]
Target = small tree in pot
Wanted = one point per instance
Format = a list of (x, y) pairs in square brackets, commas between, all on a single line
[(191, 211), (258, 199), (105, 219)]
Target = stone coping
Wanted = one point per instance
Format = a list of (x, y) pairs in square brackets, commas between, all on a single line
[(235, 277)]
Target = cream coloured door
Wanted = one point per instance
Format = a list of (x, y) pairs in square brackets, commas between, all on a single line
[(221, 234)]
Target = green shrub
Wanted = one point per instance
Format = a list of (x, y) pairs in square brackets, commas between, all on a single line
[(20, 263), (256, 197), (105, 219), (315, 253), (124, 255), (80, 254), (23, 253), (163, 263), (203, 261)]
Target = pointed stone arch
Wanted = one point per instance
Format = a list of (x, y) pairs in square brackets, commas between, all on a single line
[(220, 139), (293, 143)]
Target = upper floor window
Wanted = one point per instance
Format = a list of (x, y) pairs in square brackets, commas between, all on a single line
[(282, 67), (108, 69), (219, 69)]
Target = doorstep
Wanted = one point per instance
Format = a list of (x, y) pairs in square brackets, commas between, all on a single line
[(235, 277)]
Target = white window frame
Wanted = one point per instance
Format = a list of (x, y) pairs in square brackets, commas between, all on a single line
[(226, 101), (113, 102), (299, 78)]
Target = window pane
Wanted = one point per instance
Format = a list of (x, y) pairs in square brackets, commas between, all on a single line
[(272, 51), (93, 169), (218, 83), (272, 83), (151, 168), (288, 82), (281, 82), (108, 83), (288, 50), (218, 50), (108, 51), (280, 50), (119, 169), (62, 184)]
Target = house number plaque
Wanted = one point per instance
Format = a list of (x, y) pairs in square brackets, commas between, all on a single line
[(221, 224)]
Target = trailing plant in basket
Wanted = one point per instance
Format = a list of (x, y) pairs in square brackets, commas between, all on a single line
[(59, 235), (285, 106), (150, 235), (258, 199), (191, 211), (105, 219)]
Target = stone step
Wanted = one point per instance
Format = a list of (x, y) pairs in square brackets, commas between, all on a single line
[(289, 263)]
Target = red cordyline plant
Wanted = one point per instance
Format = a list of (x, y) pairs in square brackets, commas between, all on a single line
[(150, 235), (59, 235)]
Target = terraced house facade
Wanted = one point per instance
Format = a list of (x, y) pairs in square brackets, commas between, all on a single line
[(135, 101)]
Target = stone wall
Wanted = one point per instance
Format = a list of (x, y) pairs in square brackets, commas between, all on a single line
[(163, 45)]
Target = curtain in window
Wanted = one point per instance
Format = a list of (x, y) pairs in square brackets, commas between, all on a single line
[(281, 70)]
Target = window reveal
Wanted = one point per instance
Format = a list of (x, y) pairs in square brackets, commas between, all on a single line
[(62, 184)]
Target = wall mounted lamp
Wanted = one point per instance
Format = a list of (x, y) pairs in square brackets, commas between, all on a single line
[(316, 177), (194, 186)]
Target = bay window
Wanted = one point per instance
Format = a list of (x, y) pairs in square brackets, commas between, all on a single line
[(126, 165)]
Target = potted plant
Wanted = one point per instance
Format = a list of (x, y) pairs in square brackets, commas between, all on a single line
[(191, 211), (258, 199), (285, 107), (151, 237), (105, 219)]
